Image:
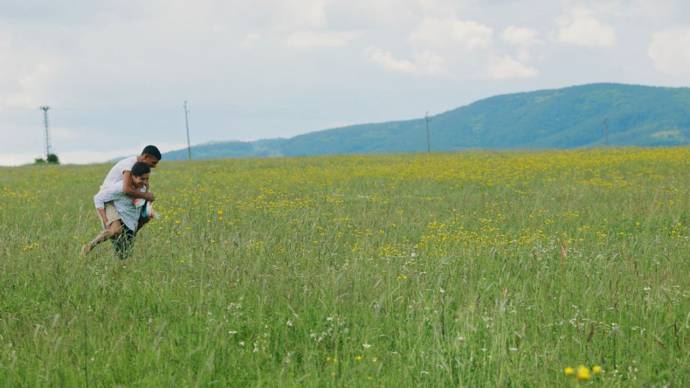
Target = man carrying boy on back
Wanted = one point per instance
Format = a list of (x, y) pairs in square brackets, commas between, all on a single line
[(120, 176), (124, 218)]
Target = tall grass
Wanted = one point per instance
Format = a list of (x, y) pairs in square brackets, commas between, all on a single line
[(476, 269)]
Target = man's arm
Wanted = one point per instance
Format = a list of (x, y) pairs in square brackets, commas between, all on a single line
[(131, 191)]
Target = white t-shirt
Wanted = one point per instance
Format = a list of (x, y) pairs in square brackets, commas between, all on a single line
[(115, 173)]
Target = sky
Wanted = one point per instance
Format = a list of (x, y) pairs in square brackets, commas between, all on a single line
[(116, 73)]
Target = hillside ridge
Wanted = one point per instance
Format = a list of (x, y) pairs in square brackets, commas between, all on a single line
[(589, 115)]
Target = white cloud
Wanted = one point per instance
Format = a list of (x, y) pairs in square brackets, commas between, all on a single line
[(670, 51), (62, 133), (373, 14), (311, 39), (440, 8), (523, 39), (291, 14), (425, 63), (520, 36), (26, 72), (386, 60), (580, 27), (452, 32), (506, 67), (250, 40), (120, 68), (429, 63), (32, 81), (654, 11)]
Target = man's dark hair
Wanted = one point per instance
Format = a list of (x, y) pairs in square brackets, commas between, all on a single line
[(153, 151), (140, 168)]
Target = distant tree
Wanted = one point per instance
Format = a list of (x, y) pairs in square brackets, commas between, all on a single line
[(53, 159), (39, 161)]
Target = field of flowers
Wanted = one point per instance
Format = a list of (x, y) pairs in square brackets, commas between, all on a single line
[(472, 269)]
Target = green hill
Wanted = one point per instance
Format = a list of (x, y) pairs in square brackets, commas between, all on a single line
[(562, 118)]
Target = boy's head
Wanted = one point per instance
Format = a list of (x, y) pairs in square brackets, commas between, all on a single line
[(140, 174), (150, 155)]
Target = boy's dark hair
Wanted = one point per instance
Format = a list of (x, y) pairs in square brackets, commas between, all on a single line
[(153, 151), (140, 168)]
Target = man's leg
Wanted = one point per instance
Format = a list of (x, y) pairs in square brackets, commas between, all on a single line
[(146, 215), (143, 221), (123, 243)]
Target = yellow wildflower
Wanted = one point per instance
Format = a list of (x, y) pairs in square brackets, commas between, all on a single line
[(583, 373), (569, 371)]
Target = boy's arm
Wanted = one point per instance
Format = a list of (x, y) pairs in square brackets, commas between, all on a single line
[(99, 201), (131, 191), (101, 213)]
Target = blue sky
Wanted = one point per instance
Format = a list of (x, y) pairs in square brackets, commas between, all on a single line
[(116, 73)]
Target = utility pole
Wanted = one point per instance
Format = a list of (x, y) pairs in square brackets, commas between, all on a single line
[(45, 122), (186, 122), (428, 134), (606, 131)]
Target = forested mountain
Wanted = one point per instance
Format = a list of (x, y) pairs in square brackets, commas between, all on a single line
[(578, 116)]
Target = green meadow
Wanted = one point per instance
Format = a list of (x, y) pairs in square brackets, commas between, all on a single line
[(468, 269)]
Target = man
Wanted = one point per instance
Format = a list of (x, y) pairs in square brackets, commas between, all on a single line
[(121, 174)]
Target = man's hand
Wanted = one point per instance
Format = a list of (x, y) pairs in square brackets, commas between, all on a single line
[(149, 196)]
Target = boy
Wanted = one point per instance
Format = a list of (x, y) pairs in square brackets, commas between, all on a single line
[(122, 215)]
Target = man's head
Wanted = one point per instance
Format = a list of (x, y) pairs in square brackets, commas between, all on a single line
[(150, 155), (140, 174)]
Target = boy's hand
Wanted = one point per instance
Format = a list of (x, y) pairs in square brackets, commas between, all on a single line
[(149, 196)]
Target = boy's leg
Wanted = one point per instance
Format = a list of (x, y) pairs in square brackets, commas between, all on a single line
[(113, 228)]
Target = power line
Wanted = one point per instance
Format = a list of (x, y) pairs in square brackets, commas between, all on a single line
[(45, 122), (186, 122), (606, 131)]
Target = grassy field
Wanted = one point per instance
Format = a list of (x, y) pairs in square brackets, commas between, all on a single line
[(473, 269)]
